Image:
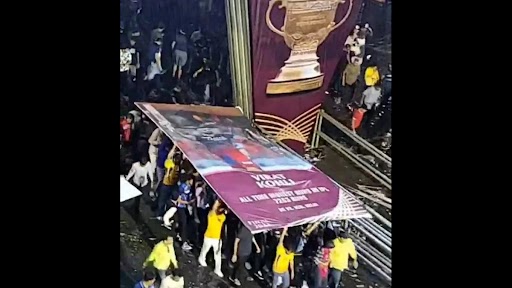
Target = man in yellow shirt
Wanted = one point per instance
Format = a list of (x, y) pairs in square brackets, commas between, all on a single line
[(162, 257), (283, 263), (212, 239), (343, 249)]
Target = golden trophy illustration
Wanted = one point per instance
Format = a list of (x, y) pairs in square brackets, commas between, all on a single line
[(307, 24)]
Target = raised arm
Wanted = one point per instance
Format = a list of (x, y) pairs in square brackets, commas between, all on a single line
[(153, 139), (311, 228), (283, 234)]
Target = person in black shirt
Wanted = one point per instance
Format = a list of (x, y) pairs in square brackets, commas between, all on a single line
[(204, 78), (241, 251)]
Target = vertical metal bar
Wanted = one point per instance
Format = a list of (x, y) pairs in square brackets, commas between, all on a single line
[(319, 129), (315, 130), (237, 17)]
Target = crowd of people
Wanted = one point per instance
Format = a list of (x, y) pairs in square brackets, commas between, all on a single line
[(363, 89), (197, 220), (168, 58)]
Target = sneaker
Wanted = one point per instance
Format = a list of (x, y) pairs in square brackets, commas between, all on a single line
[(235, 281), (186, 246), (202, 263), (159, 218), (249, 279), (259, 275), (219, 273), (178, 237), (248, 266)]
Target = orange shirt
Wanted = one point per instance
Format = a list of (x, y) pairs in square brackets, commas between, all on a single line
[(357, 118)]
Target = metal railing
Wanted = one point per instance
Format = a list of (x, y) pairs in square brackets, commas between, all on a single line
[(372, 241), (372, 170)]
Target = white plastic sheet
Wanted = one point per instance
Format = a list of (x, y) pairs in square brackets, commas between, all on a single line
[(128, 191)]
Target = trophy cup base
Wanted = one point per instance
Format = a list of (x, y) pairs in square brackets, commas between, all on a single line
[(286, 87)]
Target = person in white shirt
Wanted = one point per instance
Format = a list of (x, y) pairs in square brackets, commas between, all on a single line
[(173, 281), (372, 96), (154, 141), (142, 177)]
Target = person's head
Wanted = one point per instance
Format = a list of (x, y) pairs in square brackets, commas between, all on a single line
[(176, 158), (355, 30), (168, 241), (130, 118), (289, 245), (177, 275), (190, 179), (221, 208), (149, 277), (343, 234), (328, 235), (161, 27), (143, 160)]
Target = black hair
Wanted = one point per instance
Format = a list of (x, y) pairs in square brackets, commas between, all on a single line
[(343, 234), (289, 244), (149, 275), (177, 272), (329, 235)]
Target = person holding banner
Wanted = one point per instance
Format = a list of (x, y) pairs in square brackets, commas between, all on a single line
[(185, 201), (168, 189), (163, 154), (154, 141), (283, 266), (212, 239), (241, 252)]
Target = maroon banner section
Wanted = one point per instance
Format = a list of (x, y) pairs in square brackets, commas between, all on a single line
[(266, 186), (296, 32)]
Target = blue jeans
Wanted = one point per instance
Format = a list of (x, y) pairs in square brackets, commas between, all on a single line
[(286, 279), (319, 282), (160, 173), (334, 278), (164, 194)]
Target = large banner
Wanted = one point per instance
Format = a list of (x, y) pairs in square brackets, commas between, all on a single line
[(296, 46), (266, 186)]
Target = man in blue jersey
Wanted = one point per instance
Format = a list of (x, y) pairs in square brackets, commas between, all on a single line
[(185, 203), (148, 280)]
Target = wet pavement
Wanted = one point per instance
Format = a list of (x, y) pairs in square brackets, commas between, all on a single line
[(136, 240)]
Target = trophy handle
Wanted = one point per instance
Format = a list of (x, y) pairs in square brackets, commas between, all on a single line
[(267, 17), (350, 4)]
